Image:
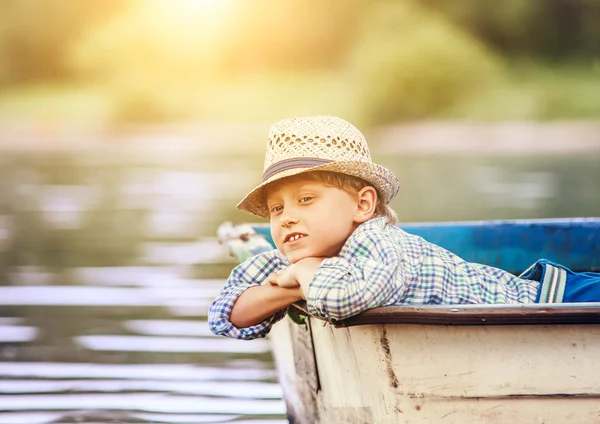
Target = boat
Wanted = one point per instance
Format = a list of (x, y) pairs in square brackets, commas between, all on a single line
[(518, 364)]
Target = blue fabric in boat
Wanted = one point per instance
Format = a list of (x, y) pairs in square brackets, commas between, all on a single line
[(558, 284)]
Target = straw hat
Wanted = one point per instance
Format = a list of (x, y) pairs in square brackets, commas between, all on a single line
[(317, 143)]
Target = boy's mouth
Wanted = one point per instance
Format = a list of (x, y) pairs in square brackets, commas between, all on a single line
[(293, 237)]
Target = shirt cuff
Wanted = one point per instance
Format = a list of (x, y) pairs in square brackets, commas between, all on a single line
[(219, 323)]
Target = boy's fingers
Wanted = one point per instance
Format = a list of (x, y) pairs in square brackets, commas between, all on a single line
[(273, 279), (282, 279)]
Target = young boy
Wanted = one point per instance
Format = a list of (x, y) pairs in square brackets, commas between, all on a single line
[(338, 245)]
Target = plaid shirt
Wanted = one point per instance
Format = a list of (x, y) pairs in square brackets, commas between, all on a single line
[(379, 265)]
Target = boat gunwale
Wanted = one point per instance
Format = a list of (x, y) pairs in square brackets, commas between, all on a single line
[(471, 315)]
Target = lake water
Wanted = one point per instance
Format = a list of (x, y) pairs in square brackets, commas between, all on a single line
[(107, 270), (126, 344), (108, 262)]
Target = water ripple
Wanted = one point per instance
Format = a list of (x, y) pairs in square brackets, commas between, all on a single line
[(172, 344), (149, 402), (239, 389), (253, 370)]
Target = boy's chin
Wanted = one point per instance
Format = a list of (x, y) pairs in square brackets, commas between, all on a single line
[(297, 256)]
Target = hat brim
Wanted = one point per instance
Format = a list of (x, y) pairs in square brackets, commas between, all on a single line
[(384, 180)]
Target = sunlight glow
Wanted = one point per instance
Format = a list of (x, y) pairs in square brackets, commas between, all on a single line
[(192, 9)]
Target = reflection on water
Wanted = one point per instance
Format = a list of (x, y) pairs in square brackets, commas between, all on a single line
[(214, 388), (235, 371), (140, 392), (100, 296), (239, 383), (151, 402), (171, 344), (47, 417), (17, 333), (169, 327), (106, 274)]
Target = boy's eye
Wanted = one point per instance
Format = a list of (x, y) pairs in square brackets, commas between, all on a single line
[(277, 208), (306, 199)]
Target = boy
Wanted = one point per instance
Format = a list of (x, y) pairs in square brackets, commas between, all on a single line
[(338, 246)]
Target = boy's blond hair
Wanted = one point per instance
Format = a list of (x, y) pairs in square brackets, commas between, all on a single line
[(349, 183)]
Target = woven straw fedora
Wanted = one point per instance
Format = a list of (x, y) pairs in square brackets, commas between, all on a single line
[(317, 143)]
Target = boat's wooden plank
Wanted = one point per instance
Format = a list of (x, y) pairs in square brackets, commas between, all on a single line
[(299, 397), (513, 245), (417, 373), (475, 362), (531, 410)]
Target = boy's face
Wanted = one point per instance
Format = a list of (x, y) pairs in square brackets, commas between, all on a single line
[(310, 219)]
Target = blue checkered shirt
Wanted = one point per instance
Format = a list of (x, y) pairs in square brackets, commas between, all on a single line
[(379, 265)]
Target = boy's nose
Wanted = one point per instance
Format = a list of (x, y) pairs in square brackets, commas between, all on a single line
[(287, 220)]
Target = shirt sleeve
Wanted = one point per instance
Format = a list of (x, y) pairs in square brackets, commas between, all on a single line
[(364, 276), (252, 272)]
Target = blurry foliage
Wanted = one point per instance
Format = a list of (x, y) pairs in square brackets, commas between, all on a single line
[(36, 35), (567, 92), (381, 60), (536, 92), (544, 29), (413, 64)]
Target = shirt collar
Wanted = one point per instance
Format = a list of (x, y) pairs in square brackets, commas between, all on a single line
[(372, 224), (380, 222)]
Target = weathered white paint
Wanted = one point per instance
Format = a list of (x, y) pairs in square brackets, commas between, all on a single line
[(437, 374), (292, 385)]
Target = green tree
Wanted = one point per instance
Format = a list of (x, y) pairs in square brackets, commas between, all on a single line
[(412, 64), (543, 29)]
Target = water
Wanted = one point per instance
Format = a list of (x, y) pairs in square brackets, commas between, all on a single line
[(126, 345), (107, 271)]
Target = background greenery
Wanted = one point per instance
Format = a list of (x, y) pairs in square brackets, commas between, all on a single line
[(373, 62)]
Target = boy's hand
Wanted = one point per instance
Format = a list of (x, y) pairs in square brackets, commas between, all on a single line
[(299, 275), (305, 270), (284, 278)]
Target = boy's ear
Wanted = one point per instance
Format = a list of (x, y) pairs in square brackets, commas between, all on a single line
[(367, 202)]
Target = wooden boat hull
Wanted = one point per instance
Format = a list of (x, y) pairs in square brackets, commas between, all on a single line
[(407, 373)]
